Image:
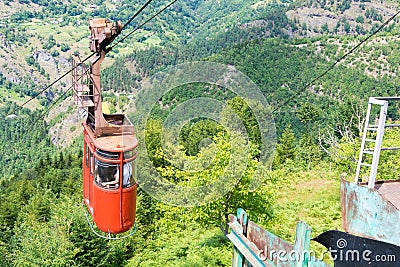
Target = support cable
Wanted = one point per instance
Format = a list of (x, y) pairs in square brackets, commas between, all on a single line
[(339, 60), (88, 57), (136, 14), (141, 25)]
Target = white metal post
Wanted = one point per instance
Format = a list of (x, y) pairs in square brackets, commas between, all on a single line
[(360, 157), (378, 144)]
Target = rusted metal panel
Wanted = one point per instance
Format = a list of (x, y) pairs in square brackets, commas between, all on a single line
[(268, 243), (367, 213), (255, 246)]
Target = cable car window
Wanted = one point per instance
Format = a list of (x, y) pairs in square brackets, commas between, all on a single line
[(107, 175), (130, 154), (106, 154), (91, 163), (87, 155), (127, 175)]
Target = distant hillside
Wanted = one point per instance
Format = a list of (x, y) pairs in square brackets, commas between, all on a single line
[(345, 17), (259, 20), (38, 37), (280, 45)]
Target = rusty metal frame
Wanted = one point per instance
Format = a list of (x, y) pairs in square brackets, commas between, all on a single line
[(87, 93), (79, 74), (252, 245)]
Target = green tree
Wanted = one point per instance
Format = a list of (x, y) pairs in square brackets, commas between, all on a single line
[(65, 47), (325, 28), (346, 26), (51, 42), (40, 244), (307, 151), (286, 149), (308, 114), (195, 133), (360, 19)]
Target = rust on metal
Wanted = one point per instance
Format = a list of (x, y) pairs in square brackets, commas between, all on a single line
[(371, 212), (259, 248), (389, 190), (102, 33), (87, 85)]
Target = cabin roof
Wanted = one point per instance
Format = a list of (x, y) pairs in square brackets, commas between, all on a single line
[(113, 143)]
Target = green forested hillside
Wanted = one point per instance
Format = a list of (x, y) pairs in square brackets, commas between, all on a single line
[(280, 45), (39, 37)]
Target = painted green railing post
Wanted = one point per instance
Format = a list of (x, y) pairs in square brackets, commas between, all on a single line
[(238, 258), (302, 244), (256, 247)]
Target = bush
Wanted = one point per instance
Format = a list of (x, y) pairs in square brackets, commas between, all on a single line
[(65, 47), (55, 53)]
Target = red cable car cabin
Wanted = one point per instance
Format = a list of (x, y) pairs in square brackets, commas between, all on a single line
[(109, 188), (109, 193)]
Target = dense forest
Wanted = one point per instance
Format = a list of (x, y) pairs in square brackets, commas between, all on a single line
[(316, 126)]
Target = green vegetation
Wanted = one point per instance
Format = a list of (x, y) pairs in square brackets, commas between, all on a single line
[(42, 222), (318, 126)]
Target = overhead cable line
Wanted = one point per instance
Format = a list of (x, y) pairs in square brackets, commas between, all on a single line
[(57, 80), (141, 25), (125, 25), (61, 96), (340, 59), (55, 102), (43, 114), (136, 14)]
